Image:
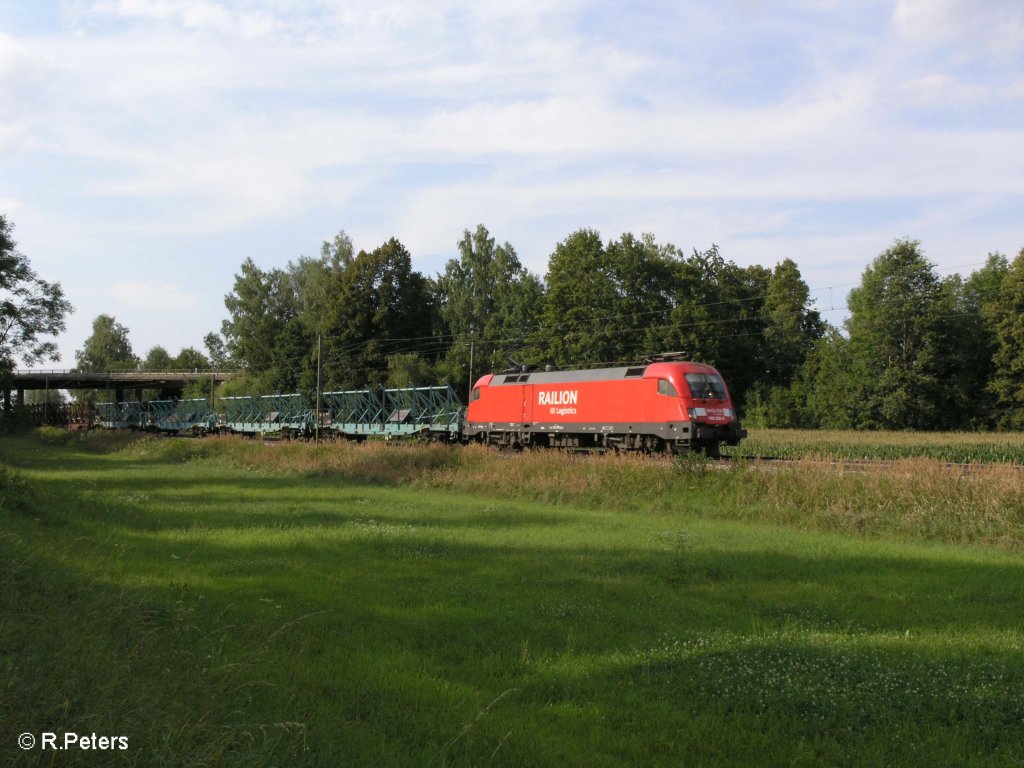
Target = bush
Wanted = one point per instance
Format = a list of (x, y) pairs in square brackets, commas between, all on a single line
[(97, 441), (14, 491)]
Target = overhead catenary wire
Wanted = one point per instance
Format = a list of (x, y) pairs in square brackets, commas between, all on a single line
[(528, 334), (401, 345), (439, 342)]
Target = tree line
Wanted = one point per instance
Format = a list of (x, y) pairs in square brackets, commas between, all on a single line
[(600, 303), (918, 350)]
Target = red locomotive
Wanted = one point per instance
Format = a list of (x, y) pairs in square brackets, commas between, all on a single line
[(666, 404)]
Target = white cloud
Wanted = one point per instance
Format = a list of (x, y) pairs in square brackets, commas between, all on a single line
[(992, 27), (142, 122), (939, 89), (926, 20), (154, 297), (25, 74), (199, 15)]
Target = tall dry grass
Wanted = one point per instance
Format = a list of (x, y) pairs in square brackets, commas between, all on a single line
[(959, 447), (918, 498)]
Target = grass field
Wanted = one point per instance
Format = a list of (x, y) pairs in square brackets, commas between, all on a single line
[(229, 603), (957, 447)]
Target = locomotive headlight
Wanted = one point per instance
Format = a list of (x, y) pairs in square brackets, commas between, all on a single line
[(727, 412), (695, 412)]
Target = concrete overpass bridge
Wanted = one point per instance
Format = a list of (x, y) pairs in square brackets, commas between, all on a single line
[(170, 383)]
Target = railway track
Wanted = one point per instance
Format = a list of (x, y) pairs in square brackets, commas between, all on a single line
[(852, 465)]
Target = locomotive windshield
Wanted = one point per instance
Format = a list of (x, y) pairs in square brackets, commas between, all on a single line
[(707, 386)]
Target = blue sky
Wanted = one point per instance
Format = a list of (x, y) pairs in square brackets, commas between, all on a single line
[(147, 147)]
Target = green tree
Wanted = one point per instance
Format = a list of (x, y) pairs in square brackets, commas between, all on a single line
[(264, 331), (830, 385), (978, 343), (790, 330), (157, 359), (717, 317), (30, 307), (190, 359), (486, 300), (217, 351), (408, 369), (792, 326), (740, 325), (606, 304), (577, 321), (259, 305), (623, 300), (695, 321), (107, 348), (315, 282), (292, 359), (902, 350), (1005, 315), (382, 307), (640, 272)]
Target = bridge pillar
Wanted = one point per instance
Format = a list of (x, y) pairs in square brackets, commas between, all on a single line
[(20, 398), (138, 394), (118, 395)]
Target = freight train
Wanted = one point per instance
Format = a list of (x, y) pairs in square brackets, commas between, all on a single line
[(664, 405)]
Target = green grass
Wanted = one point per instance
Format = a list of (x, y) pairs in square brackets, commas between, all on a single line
[(223, 603), (956, 447)]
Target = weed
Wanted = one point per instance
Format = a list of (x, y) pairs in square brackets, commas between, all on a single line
[(955, 447), (98, 441), (236, 603), (14, 491)]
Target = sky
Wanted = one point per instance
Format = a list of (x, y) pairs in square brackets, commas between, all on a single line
[(148, 147)]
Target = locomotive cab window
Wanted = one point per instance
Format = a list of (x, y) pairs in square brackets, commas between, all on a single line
[(665, 388), (475, 395), (706, 386)]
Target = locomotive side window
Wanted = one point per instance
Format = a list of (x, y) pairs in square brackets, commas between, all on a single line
[(665, 388), (475, 395), (706, 386)]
